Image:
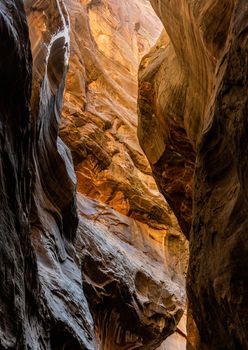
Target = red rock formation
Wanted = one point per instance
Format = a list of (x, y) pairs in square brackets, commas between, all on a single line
[(200, 88), (193, 100)]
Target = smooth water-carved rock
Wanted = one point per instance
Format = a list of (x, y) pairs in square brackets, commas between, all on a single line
[(41, 277), (161, 128), (133, 255), (54, 220), (178, 340), (18, 270), (108, 38), (202, 73)]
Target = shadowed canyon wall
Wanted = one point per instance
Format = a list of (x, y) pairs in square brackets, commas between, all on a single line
[(41, 278), (131, 256), (112, 274), (193, 100)]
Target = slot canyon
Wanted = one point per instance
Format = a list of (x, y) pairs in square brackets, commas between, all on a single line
[(124, 194)]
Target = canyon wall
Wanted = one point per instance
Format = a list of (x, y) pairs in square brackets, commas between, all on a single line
[(133, 254), (123, 286), (192, 127), (40, 274), (131, 257), (16, 255)]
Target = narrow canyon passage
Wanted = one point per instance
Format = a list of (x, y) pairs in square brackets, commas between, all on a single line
[(134, 257), (123, 139)]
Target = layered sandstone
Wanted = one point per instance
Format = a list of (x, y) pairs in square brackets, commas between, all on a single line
[(55, 220), (99, 124), (161, 127), (193, 97), (130, 249), (134, 288), (129, 240), (193, 105), (40, 275)]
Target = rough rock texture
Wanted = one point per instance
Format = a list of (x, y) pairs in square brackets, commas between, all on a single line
[(100, 121), (17, 261), (135, 289), (198, 78), (41, 278), (133, 255), (126, 227), (178, 340)]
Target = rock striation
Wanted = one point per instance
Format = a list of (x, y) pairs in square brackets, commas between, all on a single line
[(128, 241), (40, 273), (99, 115), (131, 256), (17, 261), (161, 114), (194, 81), (54, 221), (136, 296), (123, 286)]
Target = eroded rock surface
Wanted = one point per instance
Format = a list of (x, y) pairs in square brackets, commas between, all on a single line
[(54, 227), (133, 255), (135, 289), (17, 262), (126, 227), (42, 302), (161, 128), (179, 339), (100, 122), (198, 78)]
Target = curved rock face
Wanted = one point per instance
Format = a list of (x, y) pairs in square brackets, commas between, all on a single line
[(135, 295), (129, 241), (133, 255), (161, 128), (100, 122), (41, 278), (54, 220), (17, 261), (179, 339), (200, 87)]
